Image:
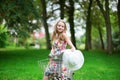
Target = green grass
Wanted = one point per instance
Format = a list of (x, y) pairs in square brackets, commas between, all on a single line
[(24, 64)]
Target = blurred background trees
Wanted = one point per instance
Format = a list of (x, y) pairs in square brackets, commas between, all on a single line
[(92, 24)]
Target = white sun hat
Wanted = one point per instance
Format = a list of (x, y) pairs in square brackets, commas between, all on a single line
[(73, 60)]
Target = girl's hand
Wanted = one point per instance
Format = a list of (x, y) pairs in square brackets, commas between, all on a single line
[(52, 51), (73, 49)]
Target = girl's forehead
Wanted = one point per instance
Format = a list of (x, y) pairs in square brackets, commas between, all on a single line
[(61, 23)]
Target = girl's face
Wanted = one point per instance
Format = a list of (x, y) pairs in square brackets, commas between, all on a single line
[(60, 27)]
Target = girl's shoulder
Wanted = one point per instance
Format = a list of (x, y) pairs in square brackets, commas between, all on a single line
[(65, 35)]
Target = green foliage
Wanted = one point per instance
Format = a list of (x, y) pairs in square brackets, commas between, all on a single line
[(30, 42), (18, 16), (96, 42), (3, 36), (80, 42), (18, 13), (42, 43), (116, 41)]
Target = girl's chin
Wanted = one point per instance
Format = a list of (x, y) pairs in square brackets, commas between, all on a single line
[(60, 31)]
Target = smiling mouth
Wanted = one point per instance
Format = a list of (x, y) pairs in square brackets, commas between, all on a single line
[(60, 29)]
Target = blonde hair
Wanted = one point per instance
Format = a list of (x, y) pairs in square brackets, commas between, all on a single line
[(55, 32)]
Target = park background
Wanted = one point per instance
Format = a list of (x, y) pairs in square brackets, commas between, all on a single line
[(25, 36)]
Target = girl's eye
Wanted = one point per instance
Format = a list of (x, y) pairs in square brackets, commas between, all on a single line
[(60, 26)]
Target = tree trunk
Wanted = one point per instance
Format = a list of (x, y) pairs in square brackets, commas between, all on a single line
[(107, 23), (118, 12), (101, 38), (88, 28), (62, 4), (44, 13), (108, 27), (71, 21)]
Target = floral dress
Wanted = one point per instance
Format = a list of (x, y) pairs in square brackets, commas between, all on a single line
[(55, 66)]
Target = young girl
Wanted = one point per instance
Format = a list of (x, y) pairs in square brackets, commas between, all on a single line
[(56, 66)]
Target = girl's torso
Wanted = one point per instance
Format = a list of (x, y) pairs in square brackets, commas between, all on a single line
[(59, 45)]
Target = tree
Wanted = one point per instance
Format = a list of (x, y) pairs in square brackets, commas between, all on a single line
[(118, 13), (98, 25), (71, 21), (107, 23), (62, 4), (88, 28), (44, 17), (18, 14), (3, 35)]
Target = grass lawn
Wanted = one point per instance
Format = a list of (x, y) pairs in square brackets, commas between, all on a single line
[(29, 64)]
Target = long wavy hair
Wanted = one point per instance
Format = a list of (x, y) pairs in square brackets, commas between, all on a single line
[(57, 35)]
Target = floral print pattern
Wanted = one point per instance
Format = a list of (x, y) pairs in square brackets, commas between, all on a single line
[(55, 66)]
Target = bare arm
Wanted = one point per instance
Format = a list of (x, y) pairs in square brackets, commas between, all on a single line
[(52, 50), (68, 41)]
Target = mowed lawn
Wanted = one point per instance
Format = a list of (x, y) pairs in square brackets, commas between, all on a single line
[(29, 64)]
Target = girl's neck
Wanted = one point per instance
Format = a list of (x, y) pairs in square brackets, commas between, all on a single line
[(59, 33)]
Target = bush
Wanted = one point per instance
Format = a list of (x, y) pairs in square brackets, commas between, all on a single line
[(116, 41), (3, 36)]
